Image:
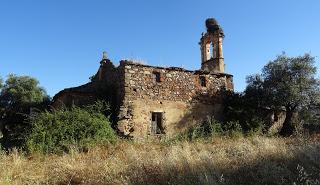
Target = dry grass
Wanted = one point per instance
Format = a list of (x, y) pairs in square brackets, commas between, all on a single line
[(256, 160)]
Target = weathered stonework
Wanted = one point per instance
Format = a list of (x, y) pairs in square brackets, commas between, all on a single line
[(150, 100), (178, 95)]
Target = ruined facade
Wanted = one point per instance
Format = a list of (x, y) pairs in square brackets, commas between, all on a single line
[(154, 101)]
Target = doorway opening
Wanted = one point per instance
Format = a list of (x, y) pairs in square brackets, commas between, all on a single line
[(157, 123)]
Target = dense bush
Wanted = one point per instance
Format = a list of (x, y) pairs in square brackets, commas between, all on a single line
[(232, 129), (244, 109), (18, 96), (212, 128), (59, 130), (208, 128)]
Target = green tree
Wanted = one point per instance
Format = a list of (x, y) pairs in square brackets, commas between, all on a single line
[(286, 83), (18, 95), (1, 81), (1, 84)]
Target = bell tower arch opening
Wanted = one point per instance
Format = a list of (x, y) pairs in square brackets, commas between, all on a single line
[(212, 54)]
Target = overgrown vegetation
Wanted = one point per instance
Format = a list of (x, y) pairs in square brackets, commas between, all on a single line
[(243, 109), (286, 84), (19, 95), (218, 160), (72, 145), (212, 128), (57, 131)]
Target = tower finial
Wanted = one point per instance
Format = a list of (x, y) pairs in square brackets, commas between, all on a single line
[(104, 55)]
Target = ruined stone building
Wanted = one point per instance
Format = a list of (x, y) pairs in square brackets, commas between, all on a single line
[(151, 100)]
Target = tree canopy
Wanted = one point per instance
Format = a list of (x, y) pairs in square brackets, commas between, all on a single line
[(1, 81), (18, 94), (18, 91), (286, 83)]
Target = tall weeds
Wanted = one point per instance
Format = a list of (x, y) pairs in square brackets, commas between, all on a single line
[(219, 160)]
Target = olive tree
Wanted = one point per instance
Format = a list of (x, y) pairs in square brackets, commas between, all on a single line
[(1, 81), (286, 83)]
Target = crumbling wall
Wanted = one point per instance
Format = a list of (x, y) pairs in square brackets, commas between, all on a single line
[(176, 84), (106, 85), (69, 98), (177, 93), (79, 96), (134, 91)]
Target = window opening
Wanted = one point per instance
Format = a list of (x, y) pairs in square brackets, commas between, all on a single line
[(203, 82), (157, 76)]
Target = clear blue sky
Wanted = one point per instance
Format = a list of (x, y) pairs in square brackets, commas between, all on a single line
[(60, 42)]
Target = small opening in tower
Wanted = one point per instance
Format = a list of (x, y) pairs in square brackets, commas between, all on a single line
[(203, 82), (157, 76), (211, 50)]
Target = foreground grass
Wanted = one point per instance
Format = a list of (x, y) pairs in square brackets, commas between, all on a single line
[(256, 160)]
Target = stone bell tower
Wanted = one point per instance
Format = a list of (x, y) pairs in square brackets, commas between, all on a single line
[(211, 47)]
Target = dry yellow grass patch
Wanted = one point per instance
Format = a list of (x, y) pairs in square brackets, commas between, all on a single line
[(257, 160)]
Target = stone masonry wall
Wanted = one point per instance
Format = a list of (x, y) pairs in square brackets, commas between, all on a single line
[(176, 84), (179, 95), (134, 94)]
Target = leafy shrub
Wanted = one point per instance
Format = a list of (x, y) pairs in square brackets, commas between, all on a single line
[(232, 129), (208, 128), (58, 130), (212, 128), (245, 109)]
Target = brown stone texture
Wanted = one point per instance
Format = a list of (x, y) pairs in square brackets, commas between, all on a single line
[(176, 84)]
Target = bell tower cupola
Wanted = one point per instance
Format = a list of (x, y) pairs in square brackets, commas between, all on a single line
[(211, 47)]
